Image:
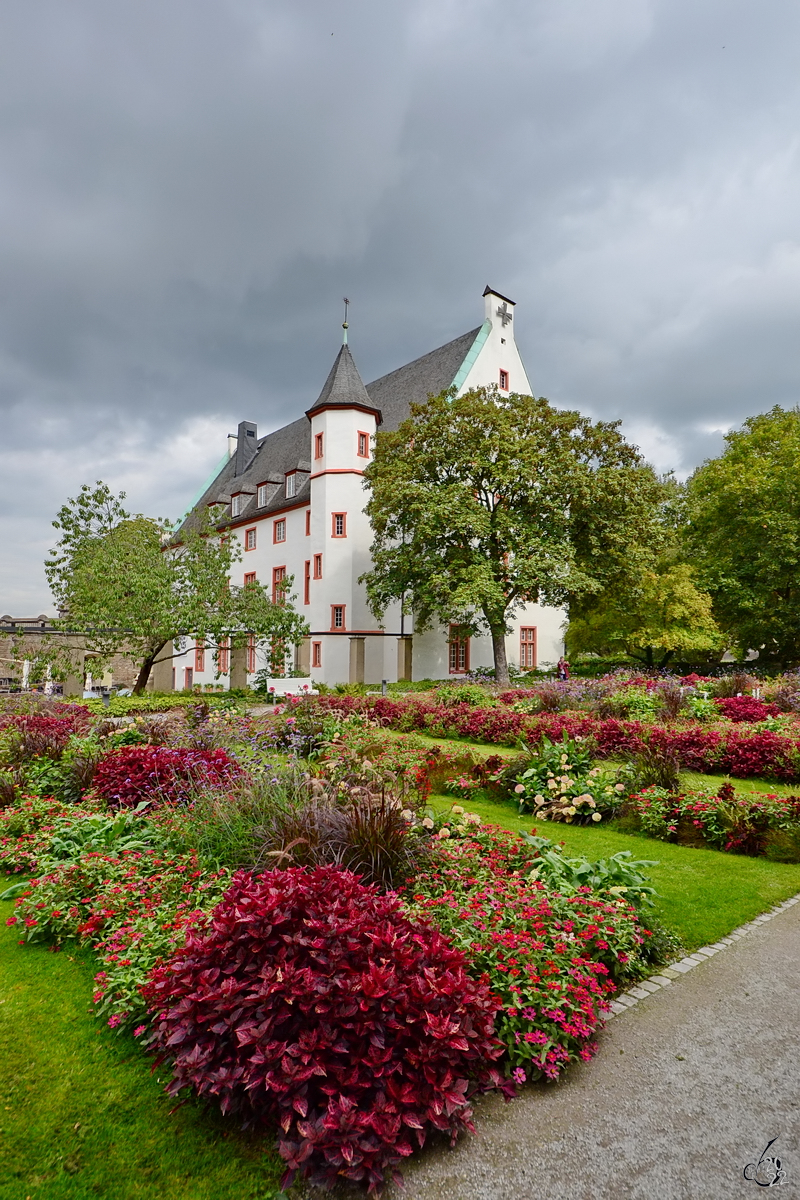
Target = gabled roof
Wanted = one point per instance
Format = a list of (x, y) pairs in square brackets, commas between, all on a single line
[(289, 448), (344, 387), (394, 393)]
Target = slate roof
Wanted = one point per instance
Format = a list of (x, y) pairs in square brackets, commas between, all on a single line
[(394, 393), (289, 448), (344, 387)]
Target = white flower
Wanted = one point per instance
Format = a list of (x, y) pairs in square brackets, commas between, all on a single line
[(427, 823), (444, 832), (619, 787), (596, 817), (472, 818), (457, 809), (538, 800), (519, 789), (551, 783), (407, 814)]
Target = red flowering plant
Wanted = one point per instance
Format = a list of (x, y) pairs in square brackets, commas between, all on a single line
[(160, 773), (552, 960), (313, 1001), (25, 830), (737, 823)]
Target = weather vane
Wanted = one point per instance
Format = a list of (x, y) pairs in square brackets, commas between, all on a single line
[(344, 322)]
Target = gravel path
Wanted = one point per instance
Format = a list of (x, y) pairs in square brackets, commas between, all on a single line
[(686, 1089)]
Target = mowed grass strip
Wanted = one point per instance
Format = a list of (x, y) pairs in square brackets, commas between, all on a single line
[(702, 894), (81, 1114)]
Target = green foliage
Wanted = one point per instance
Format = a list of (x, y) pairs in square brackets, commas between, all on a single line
[(620, 874), (664, 614), (480, 503), (743, 532), (128, 585)]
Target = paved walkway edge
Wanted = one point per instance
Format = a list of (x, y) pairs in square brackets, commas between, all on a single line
[(665, 975)]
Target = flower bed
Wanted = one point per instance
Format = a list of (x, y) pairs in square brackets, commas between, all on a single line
[(754, 825), (743, 754), (553, 960), (313, 1001)]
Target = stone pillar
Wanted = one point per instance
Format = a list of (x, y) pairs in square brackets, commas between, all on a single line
[(239, 667), (162, 673), (404, 649), (73, 684), (357, 659), (302, 656)]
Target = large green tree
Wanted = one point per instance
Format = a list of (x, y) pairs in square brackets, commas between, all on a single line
[(742, 534), (482, 502), (664, 614), (128, 585)]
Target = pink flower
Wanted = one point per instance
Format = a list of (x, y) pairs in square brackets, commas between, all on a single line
[(139, 1030), (519, 1076)]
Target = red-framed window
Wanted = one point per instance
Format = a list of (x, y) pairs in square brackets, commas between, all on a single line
[(307, 581), (316, 654), (249, 539), (319, 442), (279, 530), (527, 647), (308, 522), (458, 645), (278, 584), (363, 444), (338, 615), (251, 653), (249, 577), (188, 679), (318, 566), (338, 524), (224, 656), (503, 380), (199, 655)]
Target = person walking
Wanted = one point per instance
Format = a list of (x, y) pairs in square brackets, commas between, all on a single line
[(562, 668)]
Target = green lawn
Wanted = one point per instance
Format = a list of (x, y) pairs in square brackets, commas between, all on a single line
[(81, 1116), (703, 894)]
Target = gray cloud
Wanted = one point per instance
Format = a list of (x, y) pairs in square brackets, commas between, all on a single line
[(187, 190)]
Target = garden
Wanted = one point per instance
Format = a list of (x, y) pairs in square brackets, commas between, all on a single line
[(312, 937)]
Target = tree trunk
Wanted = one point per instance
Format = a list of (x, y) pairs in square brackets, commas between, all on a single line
[(145, 669), (500, 660), (665, 659)]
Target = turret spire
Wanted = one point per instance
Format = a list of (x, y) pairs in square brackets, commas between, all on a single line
[(344, 322)]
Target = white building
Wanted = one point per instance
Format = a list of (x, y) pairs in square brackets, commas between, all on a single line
[(295, 500)]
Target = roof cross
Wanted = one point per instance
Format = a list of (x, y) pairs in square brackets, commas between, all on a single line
[(504, 314)]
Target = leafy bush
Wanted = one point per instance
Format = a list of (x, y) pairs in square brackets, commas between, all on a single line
[(40, 735), (657, 765), (746, 708), (463, 693), (158, 773), (620, 875), (311, 1001)]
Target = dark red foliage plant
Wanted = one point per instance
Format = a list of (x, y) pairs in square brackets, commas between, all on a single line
[(310, 1000), (746, 708), (160, 774)]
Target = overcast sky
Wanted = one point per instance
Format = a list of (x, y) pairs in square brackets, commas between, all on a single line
[(187, 190)]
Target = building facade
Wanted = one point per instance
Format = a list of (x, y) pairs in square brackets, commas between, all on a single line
[(295, 501)]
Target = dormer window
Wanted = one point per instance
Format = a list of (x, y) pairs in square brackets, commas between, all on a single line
[(236, 506), (291, 486), (263, 495)]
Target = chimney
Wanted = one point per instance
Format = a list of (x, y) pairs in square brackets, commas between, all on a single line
[(246, 445)]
